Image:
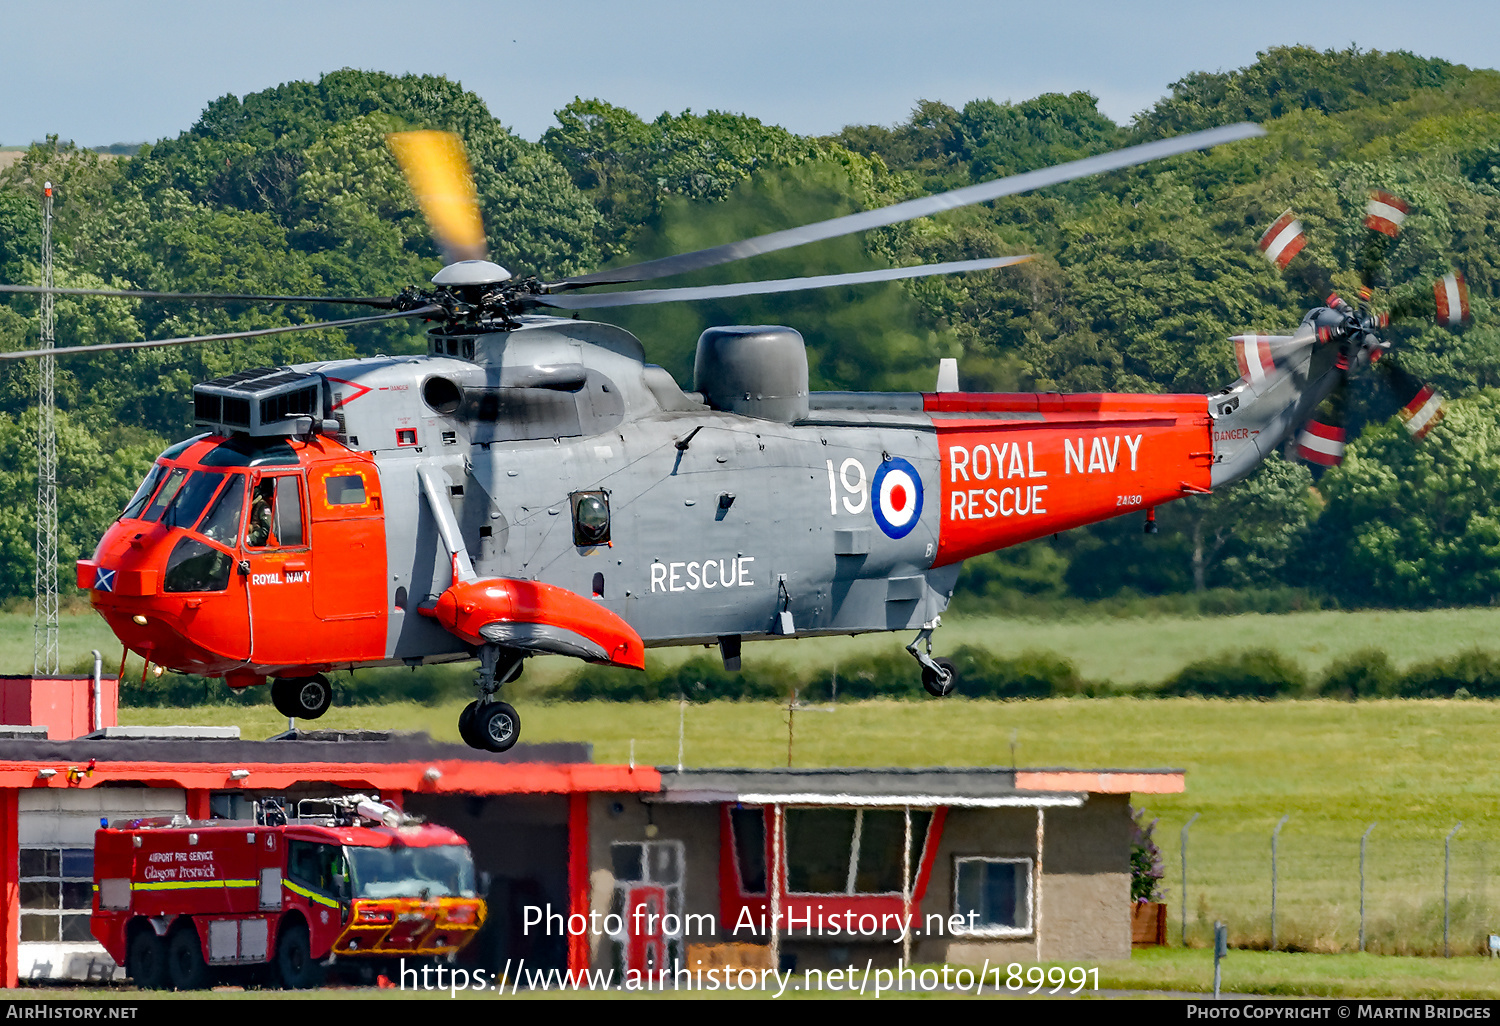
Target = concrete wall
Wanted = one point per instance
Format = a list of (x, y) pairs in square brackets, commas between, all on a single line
[(1085, 909), (624, 817)]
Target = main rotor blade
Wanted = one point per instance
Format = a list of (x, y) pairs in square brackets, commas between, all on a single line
[(156, 343), (215, 297), (760, 288), (438, 172), (922, 207)]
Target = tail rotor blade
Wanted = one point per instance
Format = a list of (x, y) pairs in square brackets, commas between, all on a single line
[(1422, 406), (1384, 215), (1322, 439), (1283, 240), (1452, 295), (438, 172)]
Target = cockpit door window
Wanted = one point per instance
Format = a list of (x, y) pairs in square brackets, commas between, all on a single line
[(276, 514)]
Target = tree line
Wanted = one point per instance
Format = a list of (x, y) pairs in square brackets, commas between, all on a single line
[(1142, 276)]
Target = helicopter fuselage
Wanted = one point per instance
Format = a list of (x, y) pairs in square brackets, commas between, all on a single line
[(854, 517)]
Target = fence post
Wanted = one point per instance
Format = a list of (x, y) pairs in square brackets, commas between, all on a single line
[(1184, 875), (1447, 850), (1274, 835), (1364, 837)]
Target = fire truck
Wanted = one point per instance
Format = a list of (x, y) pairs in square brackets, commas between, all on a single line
[(180, 903)]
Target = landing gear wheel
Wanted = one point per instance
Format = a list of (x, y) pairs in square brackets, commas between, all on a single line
[(466, 726), (306, 698), (496, 726), (294, 961), (146, 961), (185, 965), (940, 685)]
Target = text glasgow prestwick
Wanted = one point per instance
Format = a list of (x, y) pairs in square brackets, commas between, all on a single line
[(1250, 1010)]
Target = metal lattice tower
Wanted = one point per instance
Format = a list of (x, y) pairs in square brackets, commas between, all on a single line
[(45, 658)]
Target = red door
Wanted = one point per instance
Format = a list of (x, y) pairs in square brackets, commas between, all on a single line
[(349, 589), (279, 585), (646, 950)]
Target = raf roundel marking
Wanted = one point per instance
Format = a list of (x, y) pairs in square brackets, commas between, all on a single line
[(898, 497)]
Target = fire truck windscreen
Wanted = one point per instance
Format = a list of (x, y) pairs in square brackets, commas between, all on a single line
[(441, 871)]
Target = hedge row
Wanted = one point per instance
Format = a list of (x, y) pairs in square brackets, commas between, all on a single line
[(1250, 673)]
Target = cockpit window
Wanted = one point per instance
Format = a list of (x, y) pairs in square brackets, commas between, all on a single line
[(223, 521), (143, 493), (165, 496), (191, 498)]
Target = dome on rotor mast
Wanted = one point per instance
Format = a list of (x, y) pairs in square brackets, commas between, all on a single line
[(471, 272)]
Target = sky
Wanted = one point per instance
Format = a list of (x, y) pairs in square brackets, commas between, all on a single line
[(101, 71)]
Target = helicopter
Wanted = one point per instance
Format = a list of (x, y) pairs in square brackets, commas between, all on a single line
[(532, 485)]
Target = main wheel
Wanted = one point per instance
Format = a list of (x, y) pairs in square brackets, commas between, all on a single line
[(303, 697), (294, 960), (940, 685), (146, 960), (185, 964), (466, 726), (496, 726)]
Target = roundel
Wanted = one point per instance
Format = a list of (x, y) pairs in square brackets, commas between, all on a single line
[(898, 497)]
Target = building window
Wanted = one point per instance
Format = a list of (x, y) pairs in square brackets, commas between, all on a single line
[(993, 895), (851, 851), (57, 887), (749, 827)]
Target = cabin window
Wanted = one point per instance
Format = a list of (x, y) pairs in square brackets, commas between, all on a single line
[(345, 490), (590, 518), (993, 895), (319, 866)]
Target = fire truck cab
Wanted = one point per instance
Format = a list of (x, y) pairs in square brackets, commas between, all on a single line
[(178, 901)]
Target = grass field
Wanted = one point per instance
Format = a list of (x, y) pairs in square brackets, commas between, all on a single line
[(1126, 651), (1417, 767)]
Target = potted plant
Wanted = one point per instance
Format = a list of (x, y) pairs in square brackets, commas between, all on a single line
[(1148, 913)]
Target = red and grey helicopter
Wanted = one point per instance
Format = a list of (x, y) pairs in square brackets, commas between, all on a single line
[(532, 485)]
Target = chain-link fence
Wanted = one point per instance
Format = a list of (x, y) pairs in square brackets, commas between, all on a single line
[(1317, 886)]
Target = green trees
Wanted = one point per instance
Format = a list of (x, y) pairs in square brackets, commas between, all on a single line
[(1140, 277)]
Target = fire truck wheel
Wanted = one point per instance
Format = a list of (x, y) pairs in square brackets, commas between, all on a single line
[(940, 687), (497, 726), (466, 726), (185, 963), (294, 960), (146, 960), (303, 697)]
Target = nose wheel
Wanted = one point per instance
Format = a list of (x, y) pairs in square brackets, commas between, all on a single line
[(306, 698), (487, 723)]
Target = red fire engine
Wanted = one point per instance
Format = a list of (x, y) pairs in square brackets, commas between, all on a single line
[(178, 901)]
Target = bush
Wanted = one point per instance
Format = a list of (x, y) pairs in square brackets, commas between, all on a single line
[(1474, 672), (983, 674), (1252, 673), (1367, 673)]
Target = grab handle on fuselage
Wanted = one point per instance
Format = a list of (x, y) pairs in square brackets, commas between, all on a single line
[(447, 524)]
